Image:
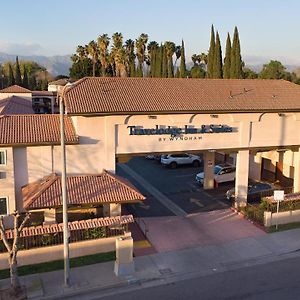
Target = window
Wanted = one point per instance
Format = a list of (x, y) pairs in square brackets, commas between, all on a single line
[(3, 206), (2, 157)]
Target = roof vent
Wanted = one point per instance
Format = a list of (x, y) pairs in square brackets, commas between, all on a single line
[(231, 96), (273, 96)]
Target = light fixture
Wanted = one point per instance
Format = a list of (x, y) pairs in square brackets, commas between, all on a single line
[(214, 116)]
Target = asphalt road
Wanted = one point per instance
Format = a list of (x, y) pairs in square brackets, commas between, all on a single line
[(272, 281), (179, 185)]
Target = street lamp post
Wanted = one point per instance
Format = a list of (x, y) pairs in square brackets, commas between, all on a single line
[(64, 192)]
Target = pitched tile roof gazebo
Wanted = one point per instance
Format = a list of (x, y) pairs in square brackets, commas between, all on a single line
[(82, 190)]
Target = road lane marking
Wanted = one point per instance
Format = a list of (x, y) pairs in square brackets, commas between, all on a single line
[(222, 203), (207, 195), (197, 202)]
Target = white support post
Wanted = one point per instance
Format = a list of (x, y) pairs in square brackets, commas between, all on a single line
[(242, 175), (209, 165), (124, 264), (112, 210), (49, 216), (297, 172)]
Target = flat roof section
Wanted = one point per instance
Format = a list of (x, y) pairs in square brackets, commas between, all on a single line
[(115, 95)]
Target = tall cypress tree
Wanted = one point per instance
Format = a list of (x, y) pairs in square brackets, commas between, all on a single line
[(211, 54), (238, 61), (32, 82), (11, 78), (18, 72), (25, 83), (164, 63), (227, 59), (158, 61), (218, 66), (182, 70)]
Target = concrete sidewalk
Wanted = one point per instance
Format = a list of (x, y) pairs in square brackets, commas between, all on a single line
[(164, 267)]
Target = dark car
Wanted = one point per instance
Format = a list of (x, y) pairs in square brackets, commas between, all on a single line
[(255, 192)]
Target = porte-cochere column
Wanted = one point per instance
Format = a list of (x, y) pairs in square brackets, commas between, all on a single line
[(241, 181)]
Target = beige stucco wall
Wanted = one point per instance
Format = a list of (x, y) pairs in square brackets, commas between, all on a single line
[(285, 217), (7, 184), (46, 254), (101, 138), (251, 131)]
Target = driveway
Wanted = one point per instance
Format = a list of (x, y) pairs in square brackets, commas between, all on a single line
[(178, 213), (200, 229)]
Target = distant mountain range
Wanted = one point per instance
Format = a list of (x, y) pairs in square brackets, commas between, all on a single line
[(55, 65), (60, 64)]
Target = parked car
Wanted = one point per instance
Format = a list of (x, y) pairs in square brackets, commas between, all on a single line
[(255, 191), (174, 160), (222, 173)]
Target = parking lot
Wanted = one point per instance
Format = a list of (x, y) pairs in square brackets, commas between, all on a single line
[(178, 185)]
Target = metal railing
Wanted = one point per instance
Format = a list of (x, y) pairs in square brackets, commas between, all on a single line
[(52, 239)]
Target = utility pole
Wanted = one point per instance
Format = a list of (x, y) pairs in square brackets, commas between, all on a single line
[(64, 192)]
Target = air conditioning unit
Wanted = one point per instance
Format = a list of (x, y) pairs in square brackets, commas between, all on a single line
[(2, 175)]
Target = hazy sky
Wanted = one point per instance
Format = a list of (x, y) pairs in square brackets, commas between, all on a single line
[(268, 28)]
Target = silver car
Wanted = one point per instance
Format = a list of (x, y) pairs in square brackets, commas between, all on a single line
[(222, 173), (174, 160)]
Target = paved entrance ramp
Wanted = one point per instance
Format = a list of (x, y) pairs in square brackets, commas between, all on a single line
[(209, 228)]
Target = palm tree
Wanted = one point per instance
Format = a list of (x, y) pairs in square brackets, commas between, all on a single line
[(80, 56), (170, 50), (130, 63), (117, 46), (140, 51), (203, 59), (103, 43), (120, 61), (177, 53), (152, 49), (93, 51), (195, 59)]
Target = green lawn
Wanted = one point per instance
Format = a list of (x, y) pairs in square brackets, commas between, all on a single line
[(59, 264), (283, 227)]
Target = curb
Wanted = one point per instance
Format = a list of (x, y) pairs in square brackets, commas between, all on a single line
[(69, 292), (243, 216)]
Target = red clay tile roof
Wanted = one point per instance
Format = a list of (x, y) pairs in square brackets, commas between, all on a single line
[(15, 89), (34, 130), (15, 106), (179, 95), (81, 189), (75, 225)]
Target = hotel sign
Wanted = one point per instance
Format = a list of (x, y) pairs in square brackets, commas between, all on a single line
[(177, 131)]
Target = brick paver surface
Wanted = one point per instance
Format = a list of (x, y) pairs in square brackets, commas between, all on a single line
[(209, 228)]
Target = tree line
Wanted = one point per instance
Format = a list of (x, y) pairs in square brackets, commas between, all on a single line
[(27, 74), (111, 56)]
